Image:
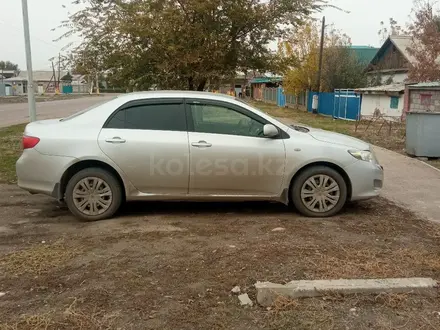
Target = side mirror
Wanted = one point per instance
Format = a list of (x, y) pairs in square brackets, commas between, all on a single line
[(270, 131)]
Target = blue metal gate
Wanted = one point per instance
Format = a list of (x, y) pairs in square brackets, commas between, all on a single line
[(347, 104), (325, 103)]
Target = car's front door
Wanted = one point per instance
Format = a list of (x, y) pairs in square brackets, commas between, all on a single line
[(148, 140), (229, 154)]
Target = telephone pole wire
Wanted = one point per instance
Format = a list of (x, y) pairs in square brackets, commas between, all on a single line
[(27, 44)]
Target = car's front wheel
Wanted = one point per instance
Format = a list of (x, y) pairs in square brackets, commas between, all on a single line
[(319, 191), (93, 194)]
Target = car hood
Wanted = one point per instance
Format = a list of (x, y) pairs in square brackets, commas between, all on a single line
[(332, 137)]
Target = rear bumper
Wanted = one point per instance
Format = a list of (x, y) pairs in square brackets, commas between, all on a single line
[(38, 173), (366, 180)]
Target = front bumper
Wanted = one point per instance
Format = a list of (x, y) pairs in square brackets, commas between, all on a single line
[(366, 179), (38, 173)]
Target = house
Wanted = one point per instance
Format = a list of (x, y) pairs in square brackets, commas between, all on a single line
[(387, 101), (259, 84), (43, 82), (392, 62)]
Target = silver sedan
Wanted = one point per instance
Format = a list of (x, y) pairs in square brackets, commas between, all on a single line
[(174, 145)]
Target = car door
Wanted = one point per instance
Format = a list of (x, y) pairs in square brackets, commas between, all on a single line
[(148, 140), (229, 154)]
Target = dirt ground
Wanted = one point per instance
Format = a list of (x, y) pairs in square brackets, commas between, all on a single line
[(172, 266)]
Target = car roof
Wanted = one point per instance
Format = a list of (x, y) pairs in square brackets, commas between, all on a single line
[(175, 94)]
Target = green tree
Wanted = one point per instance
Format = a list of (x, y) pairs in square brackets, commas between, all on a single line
[(181, 43), (340, 67), (7, 65)]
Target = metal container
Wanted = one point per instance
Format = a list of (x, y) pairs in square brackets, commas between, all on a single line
[(423, 134)]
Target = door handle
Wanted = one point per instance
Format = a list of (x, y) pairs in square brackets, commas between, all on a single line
[(115, 140), (201, 144)]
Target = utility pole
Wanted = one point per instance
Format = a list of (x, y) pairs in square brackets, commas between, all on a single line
[(27, 44), (321, 51), (59, 72)]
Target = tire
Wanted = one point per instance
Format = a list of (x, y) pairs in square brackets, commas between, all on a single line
[(302, 192), (105, 189)]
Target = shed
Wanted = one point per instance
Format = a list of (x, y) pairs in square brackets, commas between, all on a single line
[(423, 119), (387, 101), (258, 85), (423, 97)]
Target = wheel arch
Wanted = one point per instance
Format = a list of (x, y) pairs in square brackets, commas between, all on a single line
[(331, 165), (83, 164)]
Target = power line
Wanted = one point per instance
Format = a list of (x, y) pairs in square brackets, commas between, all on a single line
[(33, 35)]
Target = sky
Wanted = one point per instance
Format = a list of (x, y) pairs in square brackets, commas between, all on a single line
[(361, 23)]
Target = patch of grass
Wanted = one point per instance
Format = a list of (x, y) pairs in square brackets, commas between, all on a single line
[(10, 150), (306, 118), (37, 259)]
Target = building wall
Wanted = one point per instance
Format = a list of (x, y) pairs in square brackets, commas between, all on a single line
[(381, 103), (398, 78), (424, 100)]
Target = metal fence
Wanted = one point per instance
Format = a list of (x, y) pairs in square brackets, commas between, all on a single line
[(277, 96), (270, 95)]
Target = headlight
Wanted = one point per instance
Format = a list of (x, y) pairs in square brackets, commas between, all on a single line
[(364, 155)]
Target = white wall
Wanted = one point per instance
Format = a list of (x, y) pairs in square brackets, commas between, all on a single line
[(381, 102), (398, 78)]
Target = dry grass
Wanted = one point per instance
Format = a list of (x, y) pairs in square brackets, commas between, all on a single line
[(43, 321), (37, 259), (73, 317)]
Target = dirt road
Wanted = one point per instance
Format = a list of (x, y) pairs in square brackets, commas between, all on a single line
[(17, 113), (172, 266)]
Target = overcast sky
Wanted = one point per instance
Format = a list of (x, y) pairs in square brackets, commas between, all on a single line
[(361, 24)]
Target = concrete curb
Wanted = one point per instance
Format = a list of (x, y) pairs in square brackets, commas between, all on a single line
[(404, 155), (268, 292)]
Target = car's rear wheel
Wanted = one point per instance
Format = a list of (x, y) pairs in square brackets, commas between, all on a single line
[(93, 194), (319, 191)]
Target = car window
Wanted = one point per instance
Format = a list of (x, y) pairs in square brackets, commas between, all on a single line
[(221, 120), (164, 117), (85, 110)]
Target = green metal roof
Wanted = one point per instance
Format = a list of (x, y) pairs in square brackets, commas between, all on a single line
[(263, 80), (365, 53)]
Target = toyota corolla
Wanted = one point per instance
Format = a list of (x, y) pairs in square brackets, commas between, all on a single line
[(174, 145)]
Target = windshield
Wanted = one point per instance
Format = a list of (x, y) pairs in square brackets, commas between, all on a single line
[(85, 110)]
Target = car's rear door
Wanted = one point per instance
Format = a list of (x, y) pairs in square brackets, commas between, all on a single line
[(229, 156), (148, 140)]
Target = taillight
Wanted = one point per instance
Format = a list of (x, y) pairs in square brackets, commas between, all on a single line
[(30, 141)]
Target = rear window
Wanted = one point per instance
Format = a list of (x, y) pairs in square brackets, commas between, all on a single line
[(85, 110), (162, 117)]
